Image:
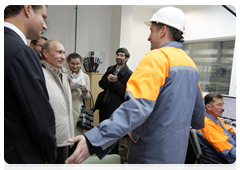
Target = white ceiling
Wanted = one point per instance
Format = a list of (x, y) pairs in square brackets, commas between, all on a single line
[(154, 7), (157, 7)]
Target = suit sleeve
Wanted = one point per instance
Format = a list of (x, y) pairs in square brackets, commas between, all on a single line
[(28, 85), (103, 83)]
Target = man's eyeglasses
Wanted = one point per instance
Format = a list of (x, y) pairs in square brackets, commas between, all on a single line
[(38, 45), (221, 105)]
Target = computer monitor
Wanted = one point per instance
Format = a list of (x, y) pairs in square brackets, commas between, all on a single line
[(230, 107)]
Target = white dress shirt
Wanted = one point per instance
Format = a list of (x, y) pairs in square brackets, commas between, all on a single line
[(15, 29)]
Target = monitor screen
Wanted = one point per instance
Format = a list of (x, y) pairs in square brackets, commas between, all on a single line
[(230, 107)]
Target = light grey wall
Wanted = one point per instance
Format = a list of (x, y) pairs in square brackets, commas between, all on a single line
[(94, 29), (94, 24), (140, 32), (115, 33), (61, 25), (105, 28)]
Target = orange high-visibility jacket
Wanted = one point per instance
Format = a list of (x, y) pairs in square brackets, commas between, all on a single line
[(217, 140), (163, 100)]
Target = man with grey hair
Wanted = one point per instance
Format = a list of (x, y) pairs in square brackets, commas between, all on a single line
[(60, 98)]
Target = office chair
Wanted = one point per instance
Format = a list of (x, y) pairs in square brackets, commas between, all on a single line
[(109, 162), (124, 147), (197, 149)]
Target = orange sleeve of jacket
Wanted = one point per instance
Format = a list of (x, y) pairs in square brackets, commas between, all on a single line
[(152, 68), (215, 136)]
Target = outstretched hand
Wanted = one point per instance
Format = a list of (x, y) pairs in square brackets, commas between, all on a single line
[(81, 153)]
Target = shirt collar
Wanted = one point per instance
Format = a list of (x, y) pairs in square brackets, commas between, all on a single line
[(210, 117), (215, 121), (55, 69), (173, 44), (15, 29), (118, 69), (51, 68)]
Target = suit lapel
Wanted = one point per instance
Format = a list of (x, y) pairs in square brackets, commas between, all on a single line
[(13, 33)]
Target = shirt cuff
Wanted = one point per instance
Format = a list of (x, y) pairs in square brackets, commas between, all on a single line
[(92, 149)]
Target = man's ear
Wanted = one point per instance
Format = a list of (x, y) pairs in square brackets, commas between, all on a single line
[(32, 45), (27, 10), (208, 107), (45, 53), (163, 31)]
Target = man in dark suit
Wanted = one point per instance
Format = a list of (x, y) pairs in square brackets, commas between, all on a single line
[(114, 83), (29, 122)]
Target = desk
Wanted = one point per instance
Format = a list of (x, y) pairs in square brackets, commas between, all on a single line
[(229, 122)]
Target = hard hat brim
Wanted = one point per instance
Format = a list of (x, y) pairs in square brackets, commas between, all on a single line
[(149, 23)]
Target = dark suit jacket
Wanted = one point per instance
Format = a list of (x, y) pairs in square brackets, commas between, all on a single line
[(116, 91), (29, 122)]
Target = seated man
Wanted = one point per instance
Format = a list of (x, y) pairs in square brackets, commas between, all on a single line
[(217, 140)]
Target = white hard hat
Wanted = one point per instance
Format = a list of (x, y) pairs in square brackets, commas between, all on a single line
[(170, 16)]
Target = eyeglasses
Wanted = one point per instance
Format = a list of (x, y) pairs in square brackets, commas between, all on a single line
[(38, 45), (221, 105)]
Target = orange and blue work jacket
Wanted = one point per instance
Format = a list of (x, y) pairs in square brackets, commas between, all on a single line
[(217, 140), (163, 100)]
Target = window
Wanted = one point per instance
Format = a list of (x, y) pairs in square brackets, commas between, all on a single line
[(214, 61)]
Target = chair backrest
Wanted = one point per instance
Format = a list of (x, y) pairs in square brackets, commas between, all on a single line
[(109, 162), (197, 148), (194, 141)]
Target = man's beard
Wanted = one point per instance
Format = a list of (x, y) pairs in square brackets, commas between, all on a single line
[(120, 62)]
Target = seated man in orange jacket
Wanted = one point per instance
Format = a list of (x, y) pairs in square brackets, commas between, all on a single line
[(217, 140)]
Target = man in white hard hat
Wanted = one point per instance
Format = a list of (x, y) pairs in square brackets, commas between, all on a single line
[(163, 100)]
